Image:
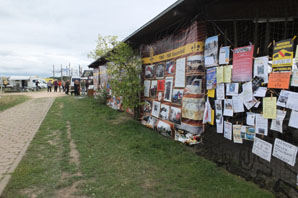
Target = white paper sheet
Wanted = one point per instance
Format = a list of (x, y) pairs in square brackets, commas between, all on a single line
[(260, 92), (180, 73), (246, 94), (285, 152), (262, 149), (224, 55), (220, 91), (249, 104), (261, 68), (228, 107), (207, 112), (232, 89), (219, 126), (292, 102), (283, 98), (276, 124), (294, 81), (237, 104), (261, 125), (237, 134), (294, 119), (228, 130), (250, 118)]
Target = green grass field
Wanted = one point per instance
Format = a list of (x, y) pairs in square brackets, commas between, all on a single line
[(90, 150), (10, 101)]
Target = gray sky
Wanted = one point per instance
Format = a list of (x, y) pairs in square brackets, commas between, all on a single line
[(35, 34)]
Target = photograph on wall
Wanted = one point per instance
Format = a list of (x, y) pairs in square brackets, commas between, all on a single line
[(177, 96), (160, 85), (155, 109), (282, 59), (168, 89), (175, 115), (147, 84), (180, 73), (170, 68), (153, 89), (160, 71), (164, 112), (147, 106), (149, 121), (211, 51), (149, 71), (261, 68), (164, 128), (242, 64), (193, 85), (193, 108), (218, 111), (248, 133), (195, 64), (211, 78), (224, 55)]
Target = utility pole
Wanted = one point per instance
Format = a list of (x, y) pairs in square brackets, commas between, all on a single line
[(61, 73), (53, 70)]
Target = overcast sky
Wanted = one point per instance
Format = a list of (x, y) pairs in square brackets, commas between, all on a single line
[(37, 34)]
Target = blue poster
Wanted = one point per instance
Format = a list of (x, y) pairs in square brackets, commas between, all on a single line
[(211, 78)]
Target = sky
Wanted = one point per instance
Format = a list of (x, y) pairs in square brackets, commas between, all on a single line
[(37, 34)]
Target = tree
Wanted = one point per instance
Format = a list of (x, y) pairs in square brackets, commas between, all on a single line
[(124, 67)]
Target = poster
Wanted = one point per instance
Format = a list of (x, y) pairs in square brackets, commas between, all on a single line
[(294, 119), (155, 109), (160, 85), (164, 128), (195, 64), (227, 73), (250, 118), (276, 124), (211, 51), (193, 85), (177, 96), (282, 59), (237, 104), (242, 64), (164, 111), (262, 149), (193, 108), (219, 75), (228, 107), (160, 71), (168, 89), (153, 89), (284, 151), (220, 91), (269, 107), (261, 125), (228, 130), (237, 134), (180, 73), (261, 68), (279, 80), (147, 106), (283, 98), (147, 88), (232, 89), (211, 78), (294, 82), (224, 55), (175, 115), (170, 68), (292, 101), (149, 71)]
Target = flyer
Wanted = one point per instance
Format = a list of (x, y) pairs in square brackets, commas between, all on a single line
[(237, 104), (242, 64), (261, 125), (232, 89), (219, 126), (228, 130), (262, 149), (292, 101), (218, 111), (220, 91), (228, 107), (283, 98), (276, 124), (180, 73), (294, 82), (160, 85), (219, 75), (282, 59), (224, 55), (269, 107), (237, 134), (294, 119), (285, 152), (247, 94), (147, 84), (260, 92), (227, 73), (211, 51), (261, 68), (211, 78), (250, 118), (279, 80)]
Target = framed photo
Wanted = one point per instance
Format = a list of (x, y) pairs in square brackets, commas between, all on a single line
[(153, 89), (175, 115), (149, 71), (164, 112), (168, 89), (177, 96), (155, 109), (160, 71), (147, 106), (170, 67), (195, 64)]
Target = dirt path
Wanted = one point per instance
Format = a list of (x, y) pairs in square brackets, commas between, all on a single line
[(38, 94)]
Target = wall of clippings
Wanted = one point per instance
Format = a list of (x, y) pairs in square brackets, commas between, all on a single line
[(174, 84)]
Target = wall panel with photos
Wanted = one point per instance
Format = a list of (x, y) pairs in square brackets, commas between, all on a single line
[(174, 87)]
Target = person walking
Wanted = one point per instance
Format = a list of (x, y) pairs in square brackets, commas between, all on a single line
[(55, 86), (59, 84), (36, 84), (50, 86), (67, 87)]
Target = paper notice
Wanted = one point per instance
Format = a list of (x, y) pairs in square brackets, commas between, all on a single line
[(276, 124), (224, 55), (262, 149), (228, 107), (228, 130), (250, 118), (283, 98), (294, 81), (261, 125), (285, 151), (219, 75), (180, 73), (232, 89), (260, 92), (269, 107), (237, 104), (292, 101), (146, 88), (261, 68), (294, 119), (220, 91), (237, 134), (227, 74), (247, 92)]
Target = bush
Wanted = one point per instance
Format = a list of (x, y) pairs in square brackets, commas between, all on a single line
[(102, 96)]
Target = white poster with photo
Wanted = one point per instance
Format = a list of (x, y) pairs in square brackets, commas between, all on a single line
[(285, 152), (228, 130), (261, 68), (224, 55), (292, 101), (262, 149), (180, 73), (155, 109), (261, 125), (228, 107), (232, 89), (276, 124), (250, 118), (283, 98), (220, 91), (211, 51), (168, 89), (237, 104), (294, 119), (146, 88), (218, 111), (260, 92)]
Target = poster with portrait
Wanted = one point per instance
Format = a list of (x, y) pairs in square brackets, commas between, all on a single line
[(261, 68), (164, 128), (193, 108), (195, 64), (193, 85), (170, 68), (175, 115), (153, 89), (147, 106), (242, 64), (224, 55), (211, 78), (177, 96), (211, 51), (164, 111), (150, 71), (149, 121), (155, 109), (168, 89), (160, 71)]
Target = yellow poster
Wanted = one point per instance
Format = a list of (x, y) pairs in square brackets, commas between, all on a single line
[(211, 93), (269, 107), (212, 117), (227, 74), (282, 59), (219, 75)]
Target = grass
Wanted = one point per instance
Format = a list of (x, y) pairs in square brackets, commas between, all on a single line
[(118, 157), (10, 101)]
